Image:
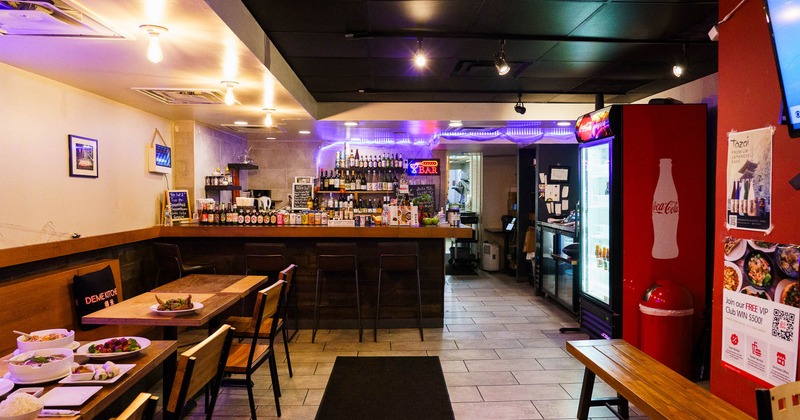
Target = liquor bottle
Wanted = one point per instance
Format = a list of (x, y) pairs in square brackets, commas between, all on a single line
[(357, 160), (357, 183), (665, 214), (168, 215), (240, 216), (363, 182), (335, 185), (732, 201), (743, 198), (752, 201), (247, 216), (203, 215), (351, 160)]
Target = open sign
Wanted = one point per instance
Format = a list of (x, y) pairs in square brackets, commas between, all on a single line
[(417, 167)]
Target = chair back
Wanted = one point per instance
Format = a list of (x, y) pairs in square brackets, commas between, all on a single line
[(264, 258), (337, 256), (168, 258), (398, 255), (781, 402), (269, 303), (200, 365), (143, 407)]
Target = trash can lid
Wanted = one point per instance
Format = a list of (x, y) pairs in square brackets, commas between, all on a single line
[(664, 294)]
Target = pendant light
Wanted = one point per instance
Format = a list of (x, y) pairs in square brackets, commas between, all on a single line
[(679, 68), (500, 60), (268, 118), (229, 98), (154, 52), (420, 58)]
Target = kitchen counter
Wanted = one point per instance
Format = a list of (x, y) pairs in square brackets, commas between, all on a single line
[(316, 231)]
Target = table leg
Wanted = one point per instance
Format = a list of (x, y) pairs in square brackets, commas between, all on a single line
[(585, 401), (170, 365)]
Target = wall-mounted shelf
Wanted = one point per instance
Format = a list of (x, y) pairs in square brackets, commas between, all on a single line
[(223, 187), (242, 166)]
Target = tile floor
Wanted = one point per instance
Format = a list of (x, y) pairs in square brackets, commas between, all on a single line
[(502, 355)]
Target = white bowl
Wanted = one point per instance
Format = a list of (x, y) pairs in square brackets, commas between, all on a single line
[(44, 372), (11, 399), (36, 345), (84, 376)]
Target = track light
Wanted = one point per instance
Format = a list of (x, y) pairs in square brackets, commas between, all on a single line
[(679, 68), (229, 98), (268, 119), (154, 52), (500, 60), (420, 59), (520, 107)]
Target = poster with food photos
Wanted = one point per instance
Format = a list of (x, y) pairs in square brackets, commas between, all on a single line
[(749, 180), (761, 307)]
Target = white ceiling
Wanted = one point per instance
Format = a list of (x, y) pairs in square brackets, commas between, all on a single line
[(215, 40)]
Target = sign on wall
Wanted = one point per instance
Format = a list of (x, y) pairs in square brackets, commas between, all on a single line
[(749, 179), (420, 167)]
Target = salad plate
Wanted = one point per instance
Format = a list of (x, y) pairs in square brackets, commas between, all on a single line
[(16, 381), (197, 307), (68, 396), (5, 386), (123, 368), (84, 349)]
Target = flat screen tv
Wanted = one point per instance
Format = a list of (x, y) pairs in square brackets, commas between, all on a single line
[(783, 17)]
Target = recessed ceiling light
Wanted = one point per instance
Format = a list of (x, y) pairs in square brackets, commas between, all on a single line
[(564, 123), (350, 123), (456, 123), (240, 122), (304, 132), (270, 138)]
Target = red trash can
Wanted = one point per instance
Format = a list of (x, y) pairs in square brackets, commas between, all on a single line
[(666, 325)]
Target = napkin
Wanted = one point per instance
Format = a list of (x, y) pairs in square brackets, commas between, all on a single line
[(58, 413)]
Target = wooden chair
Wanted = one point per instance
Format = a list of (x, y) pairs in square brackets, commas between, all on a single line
[(245, 326), (247, 358), (200, 367), (143, 407), (779, 402), (169, 260)]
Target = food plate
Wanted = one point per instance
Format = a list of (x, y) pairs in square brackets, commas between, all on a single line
[(44, 381), (752, 291), (70, 396), (72, 346), (84, 349), (762, 245), (758, 269), (732, 277), (734, 248), (197, 307), (786, 257), (5, 386), (122, 369), (788, 293)]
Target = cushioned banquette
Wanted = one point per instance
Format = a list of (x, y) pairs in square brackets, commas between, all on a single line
[(46, 301)]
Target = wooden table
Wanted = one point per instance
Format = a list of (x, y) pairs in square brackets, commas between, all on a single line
[(213, 283), (146, 360), (136, 311), (660, 392)]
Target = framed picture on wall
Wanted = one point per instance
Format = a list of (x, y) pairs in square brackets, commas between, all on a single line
[(559, 174), (82, 157)]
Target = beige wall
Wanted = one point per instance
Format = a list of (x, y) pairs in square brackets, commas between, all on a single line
[(39, 201), (278, 163)]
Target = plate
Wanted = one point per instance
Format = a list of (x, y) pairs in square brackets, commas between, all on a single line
[(68, 396), (737, 275), (737, 250), (752, 291), (5, 386), (781, 287), (762, 245), (72, 346), (44, 381), (122, 369), (786, 257), (762, 275), (197, 307), (84, 349)]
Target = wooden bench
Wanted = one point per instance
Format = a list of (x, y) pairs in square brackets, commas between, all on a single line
[(46, 301), (658, 391)]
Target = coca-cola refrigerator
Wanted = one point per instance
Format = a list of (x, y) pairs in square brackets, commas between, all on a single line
[(643, 194)]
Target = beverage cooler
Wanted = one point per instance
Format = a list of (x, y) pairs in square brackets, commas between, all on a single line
[(643, 195)]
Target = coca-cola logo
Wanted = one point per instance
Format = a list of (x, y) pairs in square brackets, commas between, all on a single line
[(665, 208)]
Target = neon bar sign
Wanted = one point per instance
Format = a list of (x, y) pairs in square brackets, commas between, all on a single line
[(417, 167)]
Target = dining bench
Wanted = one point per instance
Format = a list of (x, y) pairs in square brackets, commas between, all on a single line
[(46, 301), (653, 388)]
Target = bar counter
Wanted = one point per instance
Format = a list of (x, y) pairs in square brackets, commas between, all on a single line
[(224, 247)]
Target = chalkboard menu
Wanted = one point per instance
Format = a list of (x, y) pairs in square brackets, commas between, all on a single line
[(301, 192), (179, 204), (420, 190)]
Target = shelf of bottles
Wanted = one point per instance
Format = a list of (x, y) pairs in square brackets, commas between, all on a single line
[(354, 174)]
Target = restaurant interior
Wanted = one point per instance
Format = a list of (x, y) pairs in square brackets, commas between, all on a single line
[(272, 93)]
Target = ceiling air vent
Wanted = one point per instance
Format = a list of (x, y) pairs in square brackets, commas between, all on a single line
[(50, 18), (255, 129), (184, 96)]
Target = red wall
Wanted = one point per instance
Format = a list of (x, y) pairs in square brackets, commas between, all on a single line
[(749, 98)]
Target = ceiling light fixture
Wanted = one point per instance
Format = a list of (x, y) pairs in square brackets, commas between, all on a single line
[(520, 107), (304, 132), (268, 118), (680, 68), (500, 60), (420, 58), (229, 98), (154, 52), (240, 122), (455, 123), (350, 123)]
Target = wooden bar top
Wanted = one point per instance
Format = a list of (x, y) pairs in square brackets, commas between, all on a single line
[(315, 231)]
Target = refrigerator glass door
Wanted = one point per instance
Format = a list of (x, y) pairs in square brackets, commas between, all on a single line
[(595, 227)]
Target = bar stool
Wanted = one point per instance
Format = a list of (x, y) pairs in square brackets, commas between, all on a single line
[(336, 257), (398, 256), (168, 259), (267, 259)]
